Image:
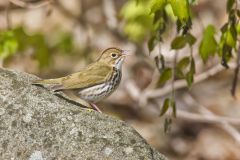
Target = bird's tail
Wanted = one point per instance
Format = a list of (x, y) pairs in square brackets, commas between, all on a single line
[(55, 84), (56, 81)]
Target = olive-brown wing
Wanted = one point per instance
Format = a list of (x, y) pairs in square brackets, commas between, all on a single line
[(94, 74)]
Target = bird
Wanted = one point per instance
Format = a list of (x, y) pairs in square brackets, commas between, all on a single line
[(93, 83)]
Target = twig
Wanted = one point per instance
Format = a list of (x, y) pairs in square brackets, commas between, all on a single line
[(68, 13), (207, 118), (173, 75), (110, 13), (158, 69), (23, 4), (133, 91), (155, 93), (236, 73), (8, 21), (203, 110)]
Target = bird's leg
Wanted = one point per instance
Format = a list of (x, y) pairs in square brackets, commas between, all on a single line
[(72, 97), (94, 106)]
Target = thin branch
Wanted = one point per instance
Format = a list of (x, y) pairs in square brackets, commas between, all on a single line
[(173, 75), (158, 69), (155, 93), (206, 118), (67, 12), (236, 73), (110, 13), (8, 21), (203, 110), (134, 93), (132, 90), (28, 5)]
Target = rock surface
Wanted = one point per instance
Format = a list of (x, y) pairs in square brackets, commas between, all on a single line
[(37, 125)]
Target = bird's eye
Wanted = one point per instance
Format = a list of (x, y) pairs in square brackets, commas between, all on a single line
[(114, 55)]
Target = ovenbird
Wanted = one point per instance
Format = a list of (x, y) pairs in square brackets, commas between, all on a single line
[(93, 83)]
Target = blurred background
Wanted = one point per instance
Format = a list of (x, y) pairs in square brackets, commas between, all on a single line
[(53, 38)]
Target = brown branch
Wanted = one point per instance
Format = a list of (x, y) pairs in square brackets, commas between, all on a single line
[(110, 13), (68, 13), (236, 73), (134, 93), (207, 118), (224, 124), (28, 5), (8, 21), (155, 93), (174, 75)]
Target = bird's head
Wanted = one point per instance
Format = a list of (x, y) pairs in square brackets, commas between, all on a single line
[(113, 56)]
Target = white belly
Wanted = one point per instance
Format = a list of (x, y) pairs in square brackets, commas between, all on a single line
[(95, 93), (101, 91)]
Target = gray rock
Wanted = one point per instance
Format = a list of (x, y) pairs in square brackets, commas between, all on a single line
[(35, 124)]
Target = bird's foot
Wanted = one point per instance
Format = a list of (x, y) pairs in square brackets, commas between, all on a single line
[(94, 106), (90, 109)]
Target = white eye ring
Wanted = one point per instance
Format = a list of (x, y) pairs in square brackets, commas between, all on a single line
[(114, 55)]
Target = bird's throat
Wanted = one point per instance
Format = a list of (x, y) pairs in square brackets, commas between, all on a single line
[(118, 63)]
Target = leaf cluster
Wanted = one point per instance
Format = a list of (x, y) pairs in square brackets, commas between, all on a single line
[(17, 41), (178, 12)]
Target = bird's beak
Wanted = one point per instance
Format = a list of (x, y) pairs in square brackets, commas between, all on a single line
[(126, 53)]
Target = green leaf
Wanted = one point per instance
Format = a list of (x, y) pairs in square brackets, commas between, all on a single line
[(181, 66), (190, 74), (192, 66), (22, 38), (230, 4), (135, 31), (226, 54), (189, 79), (139, 23), (180, 9), (65, 43), (178, 42), (183, 63), (166, 75), (157, 5), (227, 42), (37, 41), (179, 73), (208, 45), (151, 43), (8, 44), (190, 39), (131, 10), (165, 106), (231, 36)]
